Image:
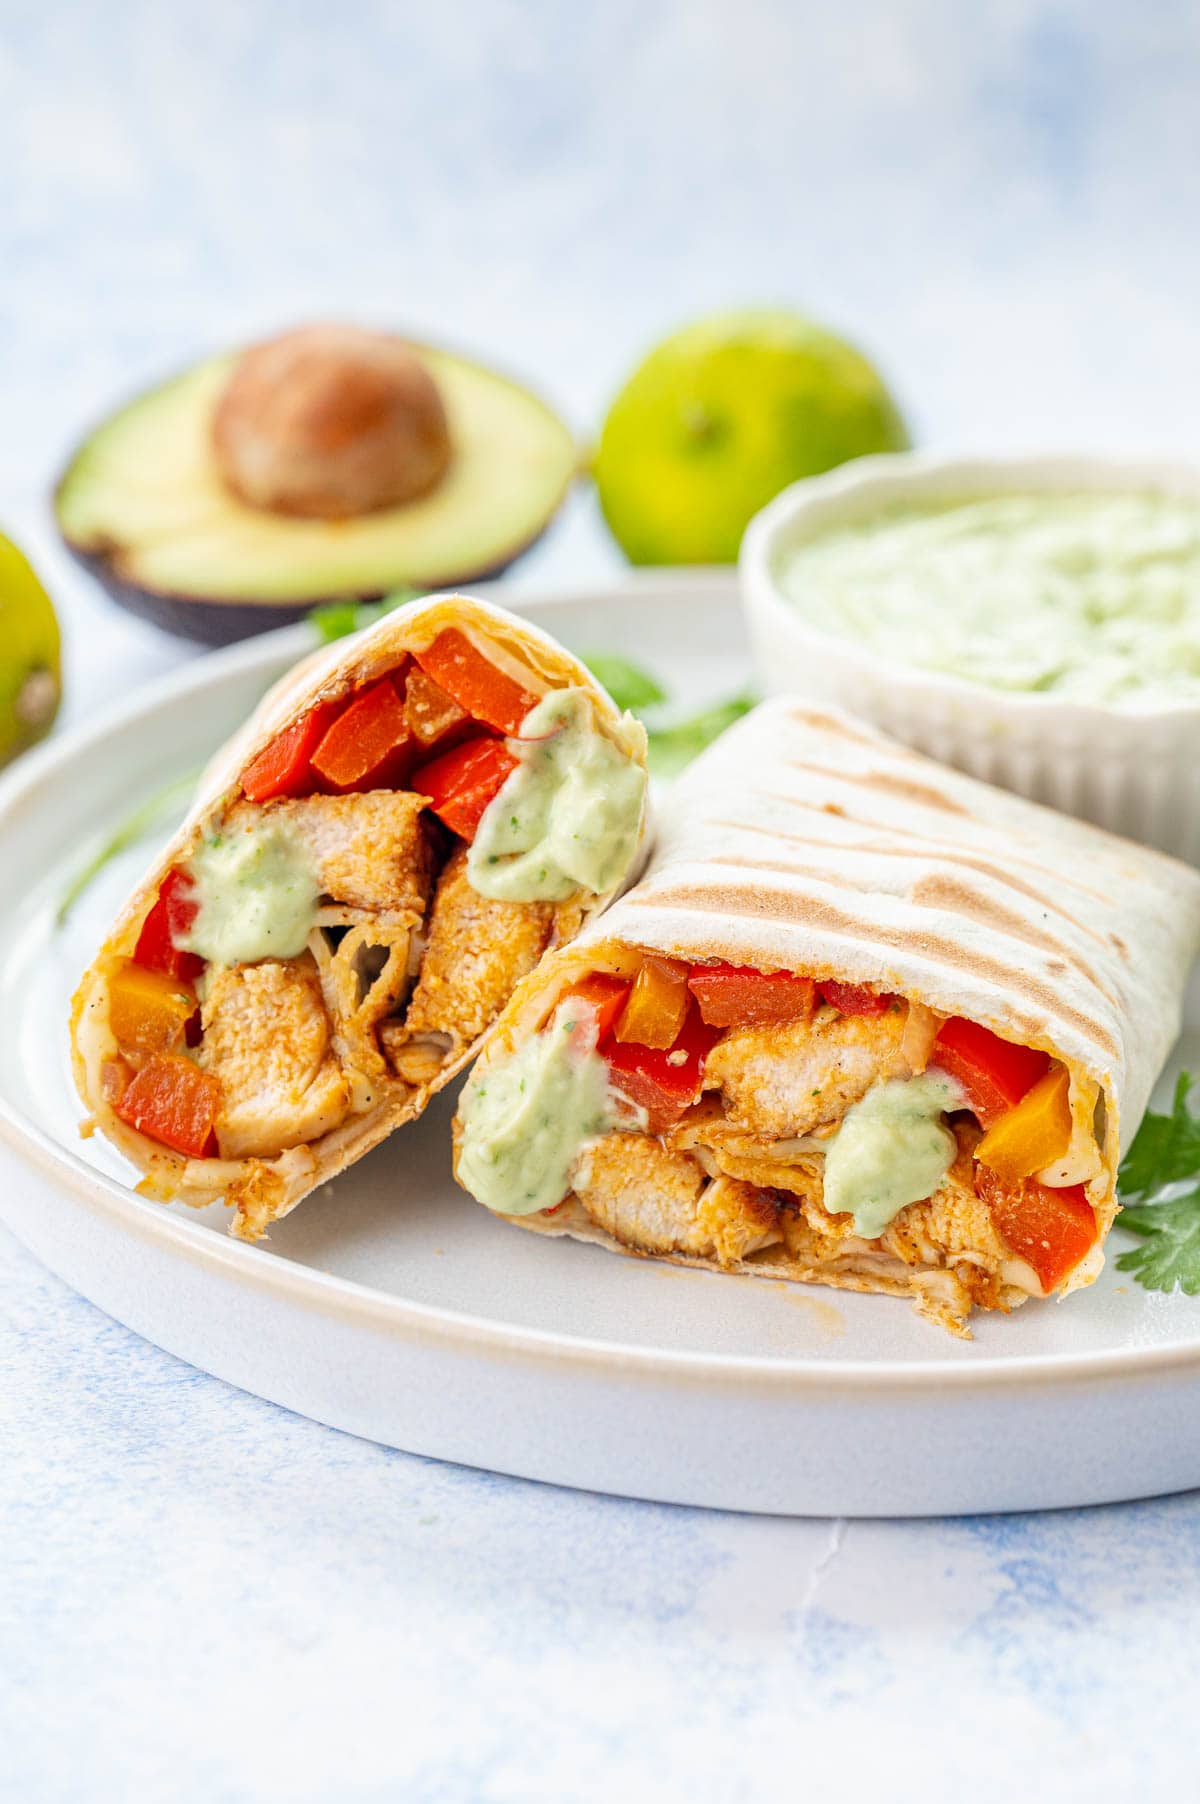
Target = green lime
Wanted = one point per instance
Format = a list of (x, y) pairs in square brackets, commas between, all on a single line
[(30, 671), (719, 418)]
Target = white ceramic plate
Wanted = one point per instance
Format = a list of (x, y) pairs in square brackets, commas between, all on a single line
[(392, 1306)]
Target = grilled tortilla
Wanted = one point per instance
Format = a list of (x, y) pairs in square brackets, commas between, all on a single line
[(864, 1022), (327, 938)]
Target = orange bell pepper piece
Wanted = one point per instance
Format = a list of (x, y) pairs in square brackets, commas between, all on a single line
[(172, 1101), (148, 1011), (739, 996), (657, 1005), (1052, 1230), (432, 714), (1034, 1133), (488, 694)]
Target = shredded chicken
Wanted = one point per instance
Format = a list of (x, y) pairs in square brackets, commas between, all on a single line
[(476, 952), (266, 1038), (365, 976), (781, 1082)]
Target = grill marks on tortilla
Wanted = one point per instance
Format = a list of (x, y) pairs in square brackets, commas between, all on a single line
[(762, 901), (941, 850), (937, 890), (957, 897), (886, 782)]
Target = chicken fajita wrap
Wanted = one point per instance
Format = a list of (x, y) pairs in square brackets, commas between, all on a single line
[(864, 1022), (407, 823)]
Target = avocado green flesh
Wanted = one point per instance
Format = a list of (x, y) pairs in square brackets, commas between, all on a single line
[(144, 496)]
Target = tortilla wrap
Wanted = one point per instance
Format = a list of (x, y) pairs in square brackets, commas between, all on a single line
[(805, 842), (263, 1188)]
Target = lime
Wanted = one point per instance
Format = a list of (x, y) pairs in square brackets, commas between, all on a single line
[(719, 418), (30, 672)]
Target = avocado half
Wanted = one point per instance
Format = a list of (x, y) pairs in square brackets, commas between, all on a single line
[(142, 505)]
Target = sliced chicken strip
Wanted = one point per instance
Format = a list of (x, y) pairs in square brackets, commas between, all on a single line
[(476, 952), (660, 1202), (371, 851), (780, 1082), (266, 1038)]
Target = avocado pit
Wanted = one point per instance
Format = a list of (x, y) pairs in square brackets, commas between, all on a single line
[(330, 422)]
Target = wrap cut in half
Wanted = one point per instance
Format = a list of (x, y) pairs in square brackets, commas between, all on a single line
[(405, 825), (864, 1022)]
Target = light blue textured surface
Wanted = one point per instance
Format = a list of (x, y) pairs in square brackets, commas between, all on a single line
[(202, 1597)]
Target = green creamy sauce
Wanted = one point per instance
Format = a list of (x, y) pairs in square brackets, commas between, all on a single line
[(892, 1149), (1094, 597), (525, 1117), (567, 818), (257, 895)]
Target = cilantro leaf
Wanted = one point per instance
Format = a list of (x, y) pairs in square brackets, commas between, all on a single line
[(674, 747), (1161, 1173), (335, 619), (1170, 1251), (1166, 1148), (630, 686)]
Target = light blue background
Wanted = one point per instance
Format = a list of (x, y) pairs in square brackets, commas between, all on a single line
[(204, 1598)]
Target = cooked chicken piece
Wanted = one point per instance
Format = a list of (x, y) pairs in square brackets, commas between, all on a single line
[(476, 952), (722, 1147), (641, 1194), (740, 1218), (780, 1082), (266, 1038), (661, 1202), (370, 851)]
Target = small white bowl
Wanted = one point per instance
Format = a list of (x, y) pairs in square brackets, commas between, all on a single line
[(1135, 771)]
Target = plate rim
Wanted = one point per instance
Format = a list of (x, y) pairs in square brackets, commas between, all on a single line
[(404, 1318)]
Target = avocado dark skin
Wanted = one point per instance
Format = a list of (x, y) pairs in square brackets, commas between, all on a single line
[(225, 622)]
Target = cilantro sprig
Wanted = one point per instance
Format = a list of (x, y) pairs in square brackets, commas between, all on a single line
[(1160, 1177)]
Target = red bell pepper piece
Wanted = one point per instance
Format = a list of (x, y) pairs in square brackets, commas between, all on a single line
[(488, 694), (172, 1101), (461, 783), (739, 996), (994, 1073), (664, 1083), (1051, 1229), (855, 998), (605, 995), (284, 767), (172, 916), (367, 746)]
